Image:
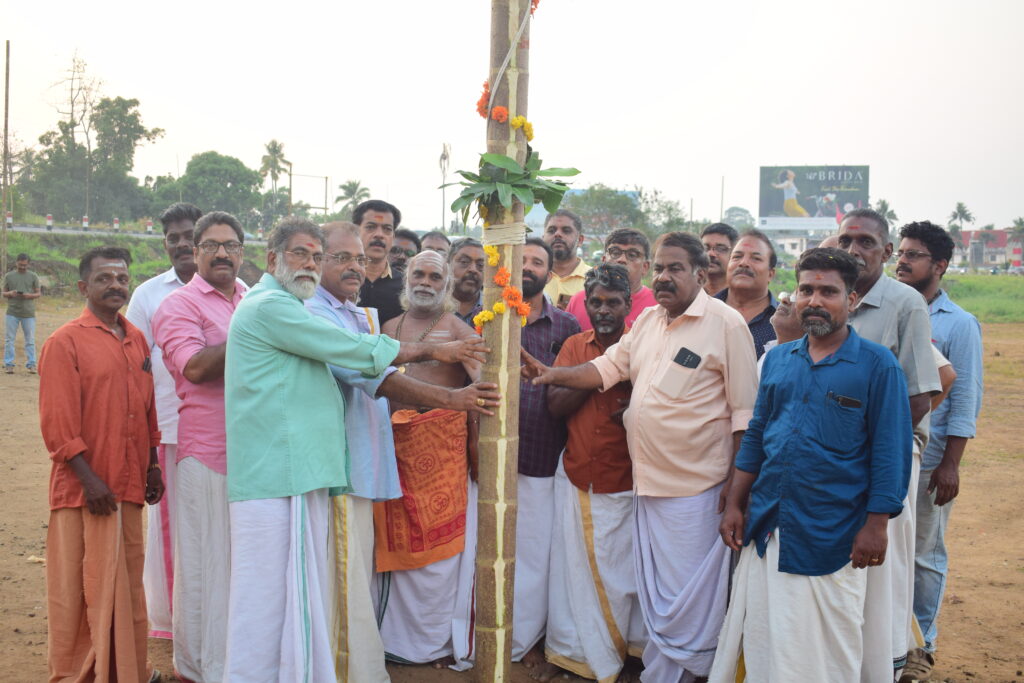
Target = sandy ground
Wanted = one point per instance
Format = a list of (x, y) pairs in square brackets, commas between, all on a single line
[(981, 624)]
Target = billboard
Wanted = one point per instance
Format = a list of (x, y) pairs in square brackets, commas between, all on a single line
[(810, 197)]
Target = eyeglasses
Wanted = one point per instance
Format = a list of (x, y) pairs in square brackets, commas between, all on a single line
[(214, 247), (466, 262), (398, 251), (345, 257), (718, 248), (174, 238), (302, 255), (631, 254), (912, 254)]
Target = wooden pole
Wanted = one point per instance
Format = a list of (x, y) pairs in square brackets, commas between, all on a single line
[(5, 175), (499, 436)]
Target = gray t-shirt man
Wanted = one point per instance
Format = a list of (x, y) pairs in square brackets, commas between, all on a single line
[(27, 283)]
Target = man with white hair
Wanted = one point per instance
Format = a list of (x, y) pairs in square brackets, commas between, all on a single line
[(285, 430), (426, 541)]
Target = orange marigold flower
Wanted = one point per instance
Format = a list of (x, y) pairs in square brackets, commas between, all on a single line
[(533, 6), (523, 309), (500, 114), (480, 330), (512, 295), (485, 98), (502, 277)]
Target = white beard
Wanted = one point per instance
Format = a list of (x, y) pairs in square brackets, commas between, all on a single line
[(303, 289)]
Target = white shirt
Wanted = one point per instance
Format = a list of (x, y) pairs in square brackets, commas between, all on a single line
[(145, 300)]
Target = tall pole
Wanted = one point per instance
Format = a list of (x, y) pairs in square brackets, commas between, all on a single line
[(721, 202), (499, 435), (5, 174)]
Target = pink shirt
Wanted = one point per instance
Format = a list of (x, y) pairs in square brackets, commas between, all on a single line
[(190, 319), (578, 307), (685, 406)]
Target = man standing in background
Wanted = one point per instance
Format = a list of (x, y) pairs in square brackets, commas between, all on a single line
[(467, 260), (630, 249), (179, 222), (718, 240), (563, 232), (21, 289), (748, 272), (377, 221)]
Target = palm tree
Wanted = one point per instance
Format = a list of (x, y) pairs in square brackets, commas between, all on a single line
[(882, 207), (273, 163), (960, 215), (1017, 231), (352, 193)]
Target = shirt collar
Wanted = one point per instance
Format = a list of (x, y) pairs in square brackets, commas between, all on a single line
[(172, 276), (580, 270), (876, 295), (849, 351), (200, 283), (772, 303), (942, 302), (328, 298), (590, 337), (89, 319)]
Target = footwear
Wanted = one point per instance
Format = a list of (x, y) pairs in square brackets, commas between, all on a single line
[(156, 677), (919, 666), (9, 369), (31, 369)]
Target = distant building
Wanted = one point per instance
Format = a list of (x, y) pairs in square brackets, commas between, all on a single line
[(985, 249)]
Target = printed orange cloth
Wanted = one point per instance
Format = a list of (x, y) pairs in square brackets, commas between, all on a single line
[(428, 523)]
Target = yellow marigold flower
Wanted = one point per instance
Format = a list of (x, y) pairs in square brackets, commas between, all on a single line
[(518, 121), (499, 307), (522, 321), (528, 130), (493, 255)]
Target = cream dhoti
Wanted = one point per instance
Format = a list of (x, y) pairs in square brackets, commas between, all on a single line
[(158, 570), (202, 570), (594, 617), (278, 612), (535, 508), (791, 627), (682, 570), (889, 624)]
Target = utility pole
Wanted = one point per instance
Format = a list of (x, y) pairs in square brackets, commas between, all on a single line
[(5, 173), (446, 154), (721, 202), (499, 435)]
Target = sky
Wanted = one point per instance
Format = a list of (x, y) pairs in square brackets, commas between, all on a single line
[(673, 96)]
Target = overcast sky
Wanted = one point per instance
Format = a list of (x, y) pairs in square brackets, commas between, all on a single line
[(667, 95)]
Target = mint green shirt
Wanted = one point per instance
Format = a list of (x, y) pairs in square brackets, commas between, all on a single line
[(284, 415)]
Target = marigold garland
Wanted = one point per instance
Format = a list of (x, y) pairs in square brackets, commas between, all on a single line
[(499, 307), (518, 122), (533, 6), (511, 297), (500, 114), (502, 277), (485, 99), (493, 255)]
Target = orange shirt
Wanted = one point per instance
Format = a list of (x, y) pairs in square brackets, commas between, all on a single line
[(596, 453), (96, 398), (681, 419)]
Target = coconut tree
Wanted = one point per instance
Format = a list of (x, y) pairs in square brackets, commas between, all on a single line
[(352, 193), (883, 208), (961, 214), (1017, 231), (273, 163)]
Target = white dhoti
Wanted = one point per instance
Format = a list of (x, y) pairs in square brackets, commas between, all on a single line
[(158, 568), (682, 569), (535, 508), (426, 614), (889, 605), (594, 617), (278, 613), (790, 627), (360, 650), (202, 572)]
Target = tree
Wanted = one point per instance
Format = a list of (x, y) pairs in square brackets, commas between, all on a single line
[(352, 193), (273, 163), (213, 181), (1017, 231), (738, 217), (604, 209), (658, 213), (882, 207), (961, 214), (119, 132)]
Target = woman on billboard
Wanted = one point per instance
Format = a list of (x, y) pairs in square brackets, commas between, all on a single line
[(790, 206)]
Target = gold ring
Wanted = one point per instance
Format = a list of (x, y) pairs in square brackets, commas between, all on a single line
[(480, 402)]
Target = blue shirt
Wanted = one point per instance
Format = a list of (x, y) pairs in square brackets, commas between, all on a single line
[(760, 325), (829, 442), (284, 415), (373, 470), (957, 334)]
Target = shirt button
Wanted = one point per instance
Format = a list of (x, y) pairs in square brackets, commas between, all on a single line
[(130, 416)]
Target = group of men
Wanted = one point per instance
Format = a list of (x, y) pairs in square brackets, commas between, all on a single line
[(309, 455)]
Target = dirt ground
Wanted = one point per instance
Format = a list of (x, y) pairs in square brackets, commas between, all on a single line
[(981, 624)]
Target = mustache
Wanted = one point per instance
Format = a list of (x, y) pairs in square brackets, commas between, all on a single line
[(377, 243), (820, 312), (664, 287), (744, 271), (222, 262), (351, 273), (527, 275), (111, 293), (183, 251)]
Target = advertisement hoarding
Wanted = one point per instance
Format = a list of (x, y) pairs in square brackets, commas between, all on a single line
[(810, 197)]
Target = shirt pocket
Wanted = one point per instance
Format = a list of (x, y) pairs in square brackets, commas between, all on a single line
[(676, 380), (842, 428)]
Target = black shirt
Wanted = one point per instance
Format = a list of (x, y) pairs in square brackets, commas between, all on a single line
[(383, 294)]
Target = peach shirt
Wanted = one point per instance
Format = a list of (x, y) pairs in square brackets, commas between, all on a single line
[(680, 421)]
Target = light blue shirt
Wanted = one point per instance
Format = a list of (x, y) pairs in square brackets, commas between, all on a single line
[(283, 412), (373, 469), (957, 334)]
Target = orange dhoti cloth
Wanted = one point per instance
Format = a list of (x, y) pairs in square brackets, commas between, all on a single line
[(95, 601), (428, 523)]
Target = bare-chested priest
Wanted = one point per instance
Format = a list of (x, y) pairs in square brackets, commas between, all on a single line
[(426, 540)]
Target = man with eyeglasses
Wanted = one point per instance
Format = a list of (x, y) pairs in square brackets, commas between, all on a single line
[(373, 468), (287, 454), (158, 577), (377, 221), (407, 245), (467, 260), (894, 315), (191, 329), (718, 240), (631, 249), (923, 257)]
